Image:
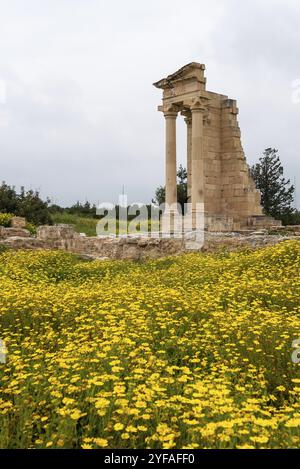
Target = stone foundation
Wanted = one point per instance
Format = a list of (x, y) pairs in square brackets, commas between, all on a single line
[(262, 221), (64, 237), (9, 232)]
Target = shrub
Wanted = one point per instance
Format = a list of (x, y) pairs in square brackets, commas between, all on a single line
[(31, 228), (5, 219), (27, 204)]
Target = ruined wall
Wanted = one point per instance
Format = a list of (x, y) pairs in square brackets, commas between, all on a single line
[(240, 198), (65, 238), (212, 156), (229, 187), (229, 190)]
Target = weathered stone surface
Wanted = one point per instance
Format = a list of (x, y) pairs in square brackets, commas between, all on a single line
[(64, 237), (9, 232), (57, 232), (18, 222), (218, 174), (18, 242), (234, 242), (2, 232), (139, 248)]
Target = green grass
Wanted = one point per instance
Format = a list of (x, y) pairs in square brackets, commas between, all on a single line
[(3, 248), (88, 225), (81, 224)]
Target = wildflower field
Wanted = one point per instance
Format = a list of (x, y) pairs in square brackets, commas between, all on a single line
[(191, 351)]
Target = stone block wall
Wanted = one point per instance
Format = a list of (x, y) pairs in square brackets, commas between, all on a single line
[(240, 198), (229, 188), (18, 222), (218, 175), (64, 237)]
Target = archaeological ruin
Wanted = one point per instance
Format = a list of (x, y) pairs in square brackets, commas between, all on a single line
[(219, 179), (219, 182)]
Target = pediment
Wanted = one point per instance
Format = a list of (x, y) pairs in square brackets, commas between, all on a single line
[(193, 70)]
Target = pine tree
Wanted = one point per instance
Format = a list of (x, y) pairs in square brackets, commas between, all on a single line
[(277, 193)]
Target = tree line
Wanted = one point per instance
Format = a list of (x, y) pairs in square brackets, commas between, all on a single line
[(277, 195)]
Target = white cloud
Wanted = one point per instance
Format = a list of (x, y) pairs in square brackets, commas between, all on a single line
[(80, 118)]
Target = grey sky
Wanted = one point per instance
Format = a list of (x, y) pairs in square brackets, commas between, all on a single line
[(80, 119)]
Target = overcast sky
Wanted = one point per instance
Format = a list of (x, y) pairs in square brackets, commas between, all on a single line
[(78, 112)]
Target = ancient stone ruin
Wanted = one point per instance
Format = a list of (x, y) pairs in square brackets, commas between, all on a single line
[(218, 180), (64, 237), (218, 174)]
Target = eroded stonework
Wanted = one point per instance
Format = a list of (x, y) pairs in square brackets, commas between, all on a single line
[(63, 237), (218, 174)]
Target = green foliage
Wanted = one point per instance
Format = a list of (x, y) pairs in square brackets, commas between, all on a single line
[(33, 208), (26, 204), (160, 193), (87, 225), (83, 210), (31, 228), (5, 219), (8, 198), (277, 193), (291, 218), (81, 224), (182, 175)]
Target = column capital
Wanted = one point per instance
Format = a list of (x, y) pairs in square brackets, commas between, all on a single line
[(188, 121), (198, 108), (199, 105), (186, 113), (170, 111)]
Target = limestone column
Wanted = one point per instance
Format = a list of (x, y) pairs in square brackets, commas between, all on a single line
[(188, 121), (171, 170), (197, 157)]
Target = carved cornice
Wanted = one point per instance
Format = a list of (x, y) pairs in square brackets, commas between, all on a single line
[(167, 83)]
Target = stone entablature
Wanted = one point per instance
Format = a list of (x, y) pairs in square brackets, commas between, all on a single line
[(218, 174)]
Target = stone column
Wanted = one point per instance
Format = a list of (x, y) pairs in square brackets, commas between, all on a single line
[(171, 170), (188, 121), (197, 158)]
